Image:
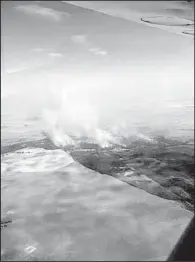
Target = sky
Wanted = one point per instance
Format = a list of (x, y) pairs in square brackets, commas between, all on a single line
[(111, 64)]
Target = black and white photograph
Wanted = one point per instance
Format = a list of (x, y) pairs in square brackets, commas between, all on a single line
[(97, 130)]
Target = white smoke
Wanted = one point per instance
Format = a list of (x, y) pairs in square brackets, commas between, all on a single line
[(102, 106), (105, 108), (72, 116)]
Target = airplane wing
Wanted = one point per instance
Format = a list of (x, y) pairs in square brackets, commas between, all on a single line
[(173, 16)]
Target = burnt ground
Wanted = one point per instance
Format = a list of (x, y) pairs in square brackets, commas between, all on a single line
[(164, 168)]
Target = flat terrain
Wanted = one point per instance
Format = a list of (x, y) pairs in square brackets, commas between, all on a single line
[(53, 208)]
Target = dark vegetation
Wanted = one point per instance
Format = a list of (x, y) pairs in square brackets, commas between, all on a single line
[(164, 168)]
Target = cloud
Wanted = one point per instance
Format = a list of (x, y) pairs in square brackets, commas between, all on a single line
[(15, 70), (37, 50), (42, 11), (79, 39), (101, 52), (98, 51), (95, 49), (83, 40), (55, 54)]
